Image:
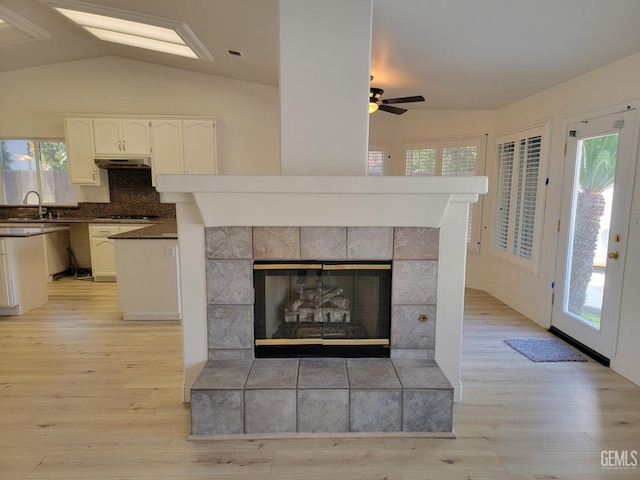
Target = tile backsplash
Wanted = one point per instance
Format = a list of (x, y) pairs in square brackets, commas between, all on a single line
[(130, 191)]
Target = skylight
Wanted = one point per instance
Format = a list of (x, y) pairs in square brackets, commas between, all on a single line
[(133, 29), (16, 29)]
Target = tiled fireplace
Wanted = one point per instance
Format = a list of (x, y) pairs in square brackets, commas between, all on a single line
[(407, 392), (417, 225)]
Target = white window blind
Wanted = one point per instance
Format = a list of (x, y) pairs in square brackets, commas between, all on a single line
[(421, 161), (526, 197), (502, 195), (377, 160), (516, 223), (464, 156), (375, 164)]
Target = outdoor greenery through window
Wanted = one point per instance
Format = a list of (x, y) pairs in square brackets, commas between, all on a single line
[(458, 157), (35, 165)]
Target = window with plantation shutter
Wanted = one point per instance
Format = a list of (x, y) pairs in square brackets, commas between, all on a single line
[(464, 156), (518, 189), (502, 195), (377, 160)]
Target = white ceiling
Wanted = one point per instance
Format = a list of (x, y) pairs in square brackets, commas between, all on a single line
[(459, 54)]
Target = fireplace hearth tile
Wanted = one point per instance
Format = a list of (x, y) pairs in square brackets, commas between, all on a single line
[(324, 410), (320, 373), (414, 282), (323, 243), (410, 395), (230, 326), (223, 375), (374, 373), (413, 353), (273, 373), (230, 282), (216, 412), (270, 411), (427, 410), (413, 377), (228, 243), (375, 410), (407, 331), (276, 243), (369, 243), (416, 243)]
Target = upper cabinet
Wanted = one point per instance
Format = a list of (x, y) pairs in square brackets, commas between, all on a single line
[(183, 146), (176, 145), (114, 137), (80, 152)]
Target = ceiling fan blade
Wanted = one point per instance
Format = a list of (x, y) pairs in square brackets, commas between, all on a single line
[(416, 98), (396, 110)]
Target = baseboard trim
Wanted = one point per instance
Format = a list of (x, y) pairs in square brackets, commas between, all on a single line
[(581, 346), (627, 369)]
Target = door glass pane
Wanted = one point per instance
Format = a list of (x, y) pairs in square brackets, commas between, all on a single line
[(591, 216)]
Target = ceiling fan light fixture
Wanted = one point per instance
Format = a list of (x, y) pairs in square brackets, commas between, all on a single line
[(372, 107)]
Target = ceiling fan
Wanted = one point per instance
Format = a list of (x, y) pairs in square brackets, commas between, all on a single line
[(376, 103)]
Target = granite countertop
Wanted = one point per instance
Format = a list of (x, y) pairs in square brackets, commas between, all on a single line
[(68, 220), (165, 230), (28, 231)]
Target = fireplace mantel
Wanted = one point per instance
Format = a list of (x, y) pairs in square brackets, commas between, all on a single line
[(322, 201)]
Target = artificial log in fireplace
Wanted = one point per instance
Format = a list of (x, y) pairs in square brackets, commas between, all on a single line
[(322, 309)]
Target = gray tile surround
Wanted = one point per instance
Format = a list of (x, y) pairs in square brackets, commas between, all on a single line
[(346, 395), (236, 394)]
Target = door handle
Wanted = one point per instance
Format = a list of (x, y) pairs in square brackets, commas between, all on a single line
[(615, 255)]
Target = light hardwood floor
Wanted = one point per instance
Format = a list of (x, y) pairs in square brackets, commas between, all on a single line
[(84, 395)]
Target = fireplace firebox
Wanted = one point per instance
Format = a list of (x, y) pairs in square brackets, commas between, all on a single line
[(322, 309)]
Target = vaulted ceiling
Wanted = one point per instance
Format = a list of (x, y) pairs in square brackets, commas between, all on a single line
[(459, 54)]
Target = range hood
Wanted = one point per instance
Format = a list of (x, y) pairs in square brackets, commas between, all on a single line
[(139, 162)]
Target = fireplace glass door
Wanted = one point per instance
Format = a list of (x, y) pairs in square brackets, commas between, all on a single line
[(322, 309)]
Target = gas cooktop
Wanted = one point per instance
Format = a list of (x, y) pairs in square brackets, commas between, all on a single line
[(130, 217)]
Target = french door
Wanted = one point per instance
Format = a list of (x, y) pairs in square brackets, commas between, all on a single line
[(600, 161)]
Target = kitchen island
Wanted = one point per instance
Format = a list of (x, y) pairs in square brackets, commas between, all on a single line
[(147, 273), (23, 272)]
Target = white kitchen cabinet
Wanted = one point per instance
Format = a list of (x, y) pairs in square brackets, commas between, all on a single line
[(166, 138), (183, 146), (199, 147), (80, 151), (152, 263), (121, 137), (103, 256), (23, 282), (6, 286)]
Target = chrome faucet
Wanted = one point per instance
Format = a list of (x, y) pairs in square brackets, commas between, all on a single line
[(40, 211)]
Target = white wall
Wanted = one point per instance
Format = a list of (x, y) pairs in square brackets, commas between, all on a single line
[(611, 85), (429, 124), (325, 49), (32, 100)]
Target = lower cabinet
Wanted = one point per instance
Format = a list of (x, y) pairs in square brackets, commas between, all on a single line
[(23, 278), (148, 279), (103, 255)]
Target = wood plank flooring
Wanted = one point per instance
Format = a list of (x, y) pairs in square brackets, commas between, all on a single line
[(85, 395)]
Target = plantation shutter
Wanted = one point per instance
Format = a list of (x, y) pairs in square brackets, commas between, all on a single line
[(518, 196), (375, 164), (502, 195), (421, 161), (526, 197), (461, 161)]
